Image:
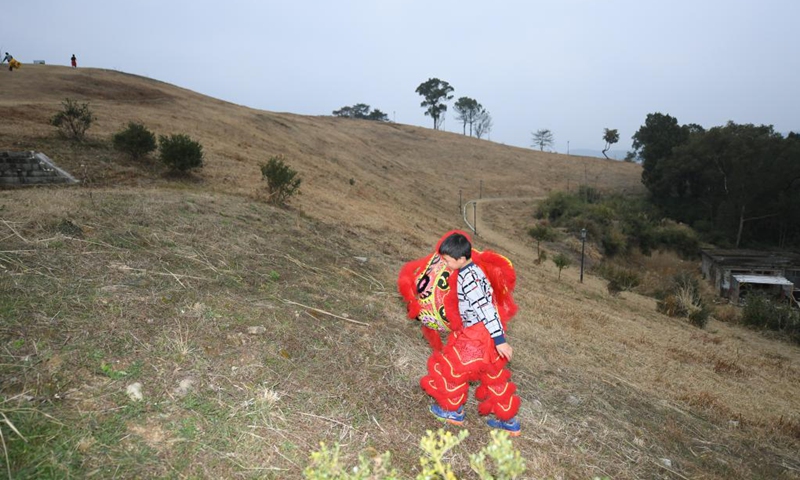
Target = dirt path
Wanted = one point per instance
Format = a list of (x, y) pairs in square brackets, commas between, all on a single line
[(501, 223)]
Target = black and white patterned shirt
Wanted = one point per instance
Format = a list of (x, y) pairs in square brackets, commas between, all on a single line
[(475, 302)]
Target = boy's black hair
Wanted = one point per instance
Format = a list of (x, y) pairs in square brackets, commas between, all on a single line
[(456, 245)]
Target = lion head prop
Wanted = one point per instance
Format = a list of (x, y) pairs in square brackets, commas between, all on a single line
[(428, 287)]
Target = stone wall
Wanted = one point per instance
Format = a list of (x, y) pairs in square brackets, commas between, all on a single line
[(31, 168)]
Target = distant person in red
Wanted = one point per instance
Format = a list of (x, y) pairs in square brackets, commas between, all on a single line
[(74, 61)]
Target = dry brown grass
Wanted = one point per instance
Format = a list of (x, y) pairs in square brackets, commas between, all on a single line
[(162, 279)]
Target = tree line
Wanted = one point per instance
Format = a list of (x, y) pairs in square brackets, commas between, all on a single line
[(737, 184), (436, 93)]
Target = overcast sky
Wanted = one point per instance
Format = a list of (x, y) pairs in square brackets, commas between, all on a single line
[(572, 66)]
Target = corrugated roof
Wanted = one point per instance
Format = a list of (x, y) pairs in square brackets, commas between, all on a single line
[(762, 279), (753, 258)]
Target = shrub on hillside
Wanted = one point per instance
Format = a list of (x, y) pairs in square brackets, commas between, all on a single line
[(614, 242), (728, 314), (679, 238), (282, 181), (180, 153), (763, 313), (135, 140), (640, 232), (618, 222), (73, 120), (619, 279), (558, 205), (589, 194), (683, 300)]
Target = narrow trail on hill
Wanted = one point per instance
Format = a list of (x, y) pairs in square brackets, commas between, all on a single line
[(488, 232)]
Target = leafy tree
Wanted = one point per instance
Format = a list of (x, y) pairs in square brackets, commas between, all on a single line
[(654, 142), (73, 120), (562, 261), (361, 111), (467, 110), (435, 92), (135, 140), (483, 124), (631, 156), (610, 137), (730, 178), (180, 153), (378, 116), (542, 138), (541, 233), (282, 181), (741, 172)]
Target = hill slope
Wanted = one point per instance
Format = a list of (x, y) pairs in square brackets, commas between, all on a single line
[(138, 278)]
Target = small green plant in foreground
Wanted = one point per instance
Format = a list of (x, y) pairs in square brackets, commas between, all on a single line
[(282, 181), (135, 140), (73, 120), (180, 153), (497, 461)]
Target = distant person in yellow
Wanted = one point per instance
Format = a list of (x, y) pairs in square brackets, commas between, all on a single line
[(12, 63)]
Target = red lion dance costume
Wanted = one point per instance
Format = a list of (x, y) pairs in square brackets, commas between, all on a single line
[(469, 355)]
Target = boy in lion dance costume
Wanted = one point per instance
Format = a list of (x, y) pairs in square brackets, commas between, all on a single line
[(466, 292)]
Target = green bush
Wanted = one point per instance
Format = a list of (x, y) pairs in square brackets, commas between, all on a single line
[(614, 242), (562, 261), (282, 181), (558, 205), (699, 317), (589, 194), (73, 120), (762, 313), (180, 153), (601, 213), (541, 233), (679, 238), (618, 222), (135, 140), (640, 232), (620, 279)]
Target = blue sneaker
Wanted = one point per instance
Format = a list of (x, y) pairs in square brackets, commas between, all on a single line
[(449, 416), (511, 426)]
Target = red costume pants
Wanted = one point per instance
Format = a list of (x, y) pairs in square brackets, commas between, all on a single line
[(470, 356)]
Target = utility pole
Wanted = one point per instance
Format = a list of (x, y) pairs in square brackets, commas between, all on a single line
[(583, 249)]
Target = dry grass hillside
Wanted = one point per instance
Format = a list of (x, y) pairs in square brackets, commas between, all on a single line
[(219, 306)]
